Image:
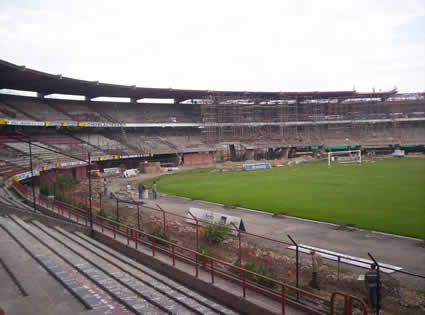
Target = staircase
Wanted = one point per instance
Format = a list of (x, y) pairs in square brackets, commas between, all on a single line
[(103, 114), (83, 275), (17, 109), (60, 110), (123, 139)]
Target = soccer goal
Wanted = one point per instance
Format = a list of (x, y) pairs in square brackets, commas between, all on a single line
[(354, 156)]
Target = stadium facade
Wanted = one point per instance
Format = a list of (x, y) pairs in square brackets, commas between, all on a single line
[(195, 126)]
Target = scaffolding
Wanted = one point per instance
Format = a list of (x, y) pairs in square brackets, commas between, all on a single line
[(308, 120)]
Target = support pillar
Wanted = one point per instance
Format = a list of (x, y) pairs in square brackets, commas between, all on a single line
[(232, 152)]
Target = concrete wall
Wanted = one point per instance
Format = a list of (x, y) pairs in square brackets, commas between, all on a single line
[(201, 158)]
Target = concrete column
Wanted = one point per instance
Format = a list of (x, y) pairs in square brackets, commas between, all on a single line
[(283, 153), (232, 152), (249, 154)]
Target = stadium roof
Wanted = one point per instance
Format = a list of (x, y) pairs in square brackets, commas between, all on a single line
[(21, 78)]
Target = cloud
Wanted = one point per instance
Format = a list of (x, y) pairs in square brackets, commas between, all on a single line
[(230, 45)]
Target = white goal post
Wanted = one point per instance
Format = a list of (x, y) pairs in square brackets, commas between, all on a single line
[(354, 156)]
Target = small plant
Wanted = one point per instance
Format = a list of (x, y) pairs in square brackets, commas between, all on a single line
[(159, 234), (422, 292), (102, 213), (291, 292), (117, 220), (204, 251), (217, 233), (44, 190), (261, 281)]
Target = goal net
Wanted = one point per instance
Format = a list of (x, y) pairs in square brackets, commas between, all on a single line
[(354, 156)]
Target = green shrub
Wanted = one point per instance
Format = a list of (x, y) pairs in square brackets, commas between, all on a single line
[(217, 233), (67, 180), (117, 220), (264, 282), (291, 292), (160, 234), (44, 190), (102, 213)]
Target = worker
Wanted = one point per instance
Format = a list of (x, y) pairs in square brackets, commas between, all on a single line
[(316, 262), (141, 189)]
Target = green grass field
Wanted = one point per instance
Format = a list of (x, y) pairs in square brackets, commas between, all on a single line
[(387, 196)]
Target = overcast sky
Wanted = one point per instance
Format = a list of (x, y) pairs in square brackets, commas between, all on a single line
[(297, 45)]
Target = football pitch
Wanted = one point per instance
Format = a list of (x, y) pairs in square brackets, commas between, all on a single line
[(387, 196)]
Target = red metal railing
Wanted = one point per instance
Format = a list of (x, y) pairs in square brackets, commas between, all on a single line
[(216, 266), (348, 303), (192, 257)]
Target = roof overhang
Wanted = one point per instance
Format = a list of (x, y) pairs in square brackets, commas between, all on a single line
[(22, 78)]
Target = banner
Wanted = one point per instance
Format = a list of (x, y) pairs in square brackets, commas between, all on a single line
[(256, 166), (112, 171), (52, 123), (24, 122), (214, 217)]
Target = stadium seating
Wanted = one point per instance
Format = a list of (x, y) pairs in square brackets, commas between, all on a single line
[(81, 274)]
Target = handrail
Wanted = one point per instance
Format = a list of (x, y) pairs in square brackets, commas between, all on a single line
[(215, 262), (348, 303)]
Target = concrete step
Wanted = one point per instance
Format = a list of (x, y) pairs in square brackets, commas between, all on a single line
[(9, 289), (119, 273), (84, 291), (13, 199), (48, 296), (147, 273), (162, 285), (112, 285)]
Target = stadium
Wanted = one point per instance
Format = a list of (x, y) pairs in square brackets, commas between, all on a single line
[(327, 152)]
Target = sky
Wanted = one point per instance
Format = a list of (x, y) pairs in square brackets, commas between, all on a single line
[(299, 45)]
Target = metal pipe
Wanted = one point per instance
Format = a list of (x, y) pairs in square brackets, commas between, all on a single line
[(240, 248), (378, 286), (297, 256), (90, 207), (118, 213), (32, 178), (138, 219)]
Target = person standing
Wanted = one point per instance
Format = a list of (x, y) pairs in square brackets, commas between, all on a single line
[(154, 190), (105, 188), (316, 262), (141, 189), (371, 283)]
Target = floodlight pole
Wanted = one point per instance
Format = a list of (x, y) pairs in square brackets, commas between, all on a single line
[(32, 178), (90, 208)]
